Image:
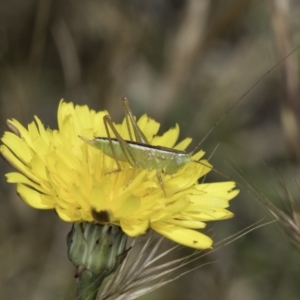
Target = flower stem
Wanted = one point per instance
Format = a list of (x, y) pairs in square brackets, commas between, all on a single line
[(88, 285)]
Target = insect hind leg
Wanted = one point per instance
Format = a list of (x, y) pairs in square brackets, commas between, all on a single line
[(107, 122), (131, 176), (160, 181), (125, 148)]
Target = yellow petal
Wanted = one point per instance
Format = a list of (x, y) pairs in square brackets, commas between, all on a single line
[(42, 131), (16, 163), (208, 214), (149, 126), (64, 110), (225, 190), (15, 177), (187, 224), (168, 139), (198, 155), (21, 129), (126, 209), (183, 144), (98, 199), (134, 228), (17, 146), (67, 214), (187, 237), (33, 197)]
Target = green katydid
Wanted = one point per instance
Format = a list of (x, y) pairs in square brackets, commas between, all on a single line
[(139, 153)]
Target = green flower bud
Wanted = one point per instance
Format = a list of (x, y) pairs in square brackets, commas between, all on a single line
[(96, 251)]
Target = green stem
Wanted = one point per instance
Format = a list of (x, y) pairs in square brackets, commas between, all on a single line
[(88, 285)]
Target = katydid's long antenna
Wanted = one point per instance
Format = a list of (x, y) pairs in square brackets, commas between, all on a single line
[(242, 97)]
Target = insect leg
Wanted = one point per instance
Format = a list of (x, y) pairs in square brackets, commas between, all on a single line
[(127, 113), (106, 121), (124, 146), (131, 176), (139, 135), (126, 149), (160, 181)]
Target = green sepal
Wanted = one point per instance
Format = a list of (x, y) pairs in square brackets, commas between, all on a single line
[(96, 251)]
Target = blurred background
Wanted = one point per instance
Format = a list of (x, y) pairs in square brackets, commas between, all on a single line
[(184, 62)]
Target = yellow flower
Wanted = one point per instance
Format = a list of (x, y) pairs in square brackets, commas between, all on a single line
[(57, 170)]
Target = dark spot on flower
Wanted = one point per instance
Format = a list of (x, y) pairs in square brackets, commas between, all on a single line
[(102, 216)]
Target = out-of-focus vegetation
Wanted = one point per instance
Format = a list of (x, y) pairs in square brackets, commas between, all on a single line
[(181, 62)]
